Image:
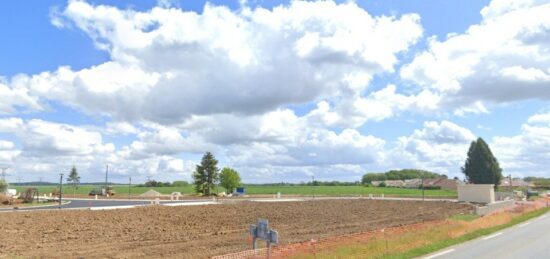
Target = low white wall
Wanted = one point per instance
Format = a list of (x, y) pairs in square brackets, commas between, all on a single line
[(478, 193), (490, 208)]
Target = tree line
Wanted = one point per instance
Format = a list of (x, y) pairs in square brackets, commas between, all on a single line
[(481, 167), (404, 174)]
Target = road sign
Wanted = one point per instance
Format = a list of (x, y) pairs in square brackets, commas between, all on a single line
[(261, 231)]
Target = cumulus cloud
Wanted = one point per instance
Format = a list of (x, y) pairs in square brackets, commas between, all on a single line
[(163, 141), (181, 83), (10, 124), (286, 147), (377, 106), (531, 148), (8, 152), (120, 128), (47, 147), (438, 146), (12, 97), (42, 138), (504, 58), (168, 64)]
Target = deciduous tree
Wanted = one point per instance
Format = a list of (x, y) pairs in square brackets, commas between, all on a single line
[(229, 179)]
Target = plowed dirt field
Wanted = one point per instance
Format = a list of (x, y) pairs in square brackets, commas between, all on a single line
[(198, 231)]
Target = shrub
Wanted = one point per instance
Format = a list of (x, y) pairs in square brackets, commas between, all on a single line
[(3, 186), (382, 184), (28, 195), (55, 192)]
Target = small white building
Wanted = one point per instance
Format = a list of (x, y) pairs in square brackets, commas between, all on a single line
[(477, 193), (11, 192)]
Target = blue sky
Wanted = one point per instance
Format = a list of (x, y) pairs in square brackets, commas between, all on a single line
[(310, 94)]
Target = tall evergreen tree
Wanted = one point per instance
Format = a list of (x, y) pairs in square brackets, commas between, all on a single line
[(74, 179), (206, 174), (481, 166)]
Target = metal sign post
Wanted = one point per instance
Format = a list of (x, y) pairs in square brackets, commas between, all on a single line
[(261, 231)]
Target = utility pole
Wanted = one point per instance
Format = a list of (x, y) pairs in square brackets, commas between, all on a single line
[(313, 185), (422, 186), (60, 188), (106, 176), (129, 186), (4, 172)]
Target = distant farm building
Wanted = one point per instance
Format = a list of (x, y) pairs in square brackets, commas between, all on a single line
[(515, 183), (441, 183)]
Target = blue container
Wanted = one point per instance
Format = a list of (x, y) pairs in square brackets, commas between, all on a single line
[(240, 190)]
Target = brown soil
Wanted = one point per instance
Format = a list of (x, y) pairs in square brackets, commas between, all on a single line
[(199, 231)]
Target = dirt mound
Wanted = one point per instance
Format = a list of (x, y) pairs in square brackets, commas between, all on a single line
[(150, 193), (199, 231)]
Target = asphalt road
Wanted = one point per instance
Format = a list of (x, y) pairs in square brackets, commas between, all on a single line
[(91, 203), (530, 239)]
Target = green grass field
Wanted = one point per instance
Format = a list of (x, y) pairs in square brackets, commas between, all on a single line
[(265, 189)]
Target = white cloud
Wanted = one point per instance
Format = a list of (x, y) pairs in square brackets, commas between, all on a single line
[(163, 141), (120, 128), (12, 97), (8, 152), (540, 118), (10, 124), (283, 139), (168, 65), (179, 83), (42, 138), (377, 106), (48, 147), (531, 148), (438, 146), (504, 58), (6, 145)]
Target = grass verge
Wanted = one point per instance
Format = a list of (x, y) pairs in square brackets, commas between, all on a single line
[(464, 217), (417, 240), (436, 246)]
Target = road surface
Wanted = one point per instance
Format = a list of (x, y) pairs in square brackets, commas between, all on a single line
[(530, 239), (91, 203)]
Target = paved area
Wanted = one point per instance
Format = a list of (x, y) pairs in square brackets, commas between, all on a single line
[(526, 240), (91, 203)]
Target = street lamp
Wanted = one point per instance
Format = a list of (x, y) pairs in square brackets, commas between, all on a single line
[(60, 188)]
